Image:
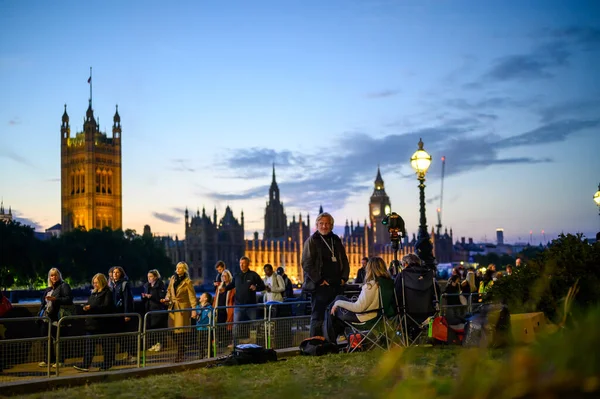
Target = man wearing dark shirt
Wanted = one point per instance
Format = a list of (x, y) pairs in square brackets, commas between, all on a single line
[(326, 270), (360, 274), (246, 284)]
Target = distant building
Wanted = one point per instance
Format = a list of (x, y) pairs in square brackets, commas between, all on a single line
[(91, 175), (5, 217), (500, 237), (54, 231), (206, 242)]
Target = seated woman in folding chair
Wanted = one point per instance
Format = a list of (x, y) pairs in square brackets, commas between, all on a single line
[(364, 309)]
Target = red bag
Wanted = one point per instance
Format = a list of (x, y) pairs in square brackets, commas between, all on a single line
[(5, 306), (355, 342)]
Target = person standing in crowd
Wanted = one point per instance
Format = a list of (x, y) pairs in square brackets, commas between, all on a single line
[(56, 295), (360, 274), (181, 295), (342, 309), (204, 316), (99, 302), (326, 269), (224, 298), (154, 291), (289, 288), (274, 285), (220, 268), (123, 300), (518, 262), (246, 283), (509, 270), (486, 283)]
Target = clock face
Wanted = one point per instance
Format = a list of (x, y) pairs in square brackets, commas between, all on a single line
[(387, 210), (375, 211)]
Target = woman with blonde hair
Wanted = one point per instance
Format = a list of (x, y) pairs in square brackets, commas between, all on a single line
[(181, 295), (344, 310), (224, 315), (58, 295), (99, 302)]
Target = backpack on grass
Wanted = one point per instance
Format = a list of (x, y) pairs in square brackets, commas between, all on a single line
[(249, 354), (317, 346)]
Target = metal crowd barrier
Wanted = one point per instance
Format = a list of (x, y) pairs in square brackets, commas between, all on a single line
[(24, 351), (120, 347), (173, 344), (459, 309)]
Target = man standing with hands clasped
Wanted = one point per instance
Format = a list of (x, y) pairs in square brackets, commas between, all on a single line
[(326, 270), (246, 284)]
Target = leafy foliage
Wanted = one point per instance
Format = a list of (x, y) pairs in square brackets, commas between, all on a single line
[(543, 282), (78, 254)]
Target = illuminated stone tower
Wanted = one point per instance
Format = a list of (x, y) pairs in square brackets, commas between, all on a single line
[(275, 218), (379, 206), (91, 174)]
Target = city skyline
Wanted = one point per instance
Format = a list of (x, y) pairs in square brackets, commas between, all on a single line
[(211, 95)]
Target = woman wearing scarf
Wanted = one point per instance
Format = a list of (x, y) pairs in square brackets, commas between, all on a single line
[(181, 295), (154, 291), (224, 298), (57, 294)]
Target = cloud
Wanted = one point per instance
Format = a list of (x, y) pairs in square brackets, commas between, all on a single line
[(553, 50), (383, 93), (165, 217), (7, 153), (19, 217), (550, 133), (178, 210), (53, 180), (539, 64), (468, 143), (572, 109), (181, 165), (255, 192)]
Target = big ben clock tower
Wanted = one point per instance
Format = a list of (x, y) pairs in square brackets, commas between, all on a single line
[(379, 206)]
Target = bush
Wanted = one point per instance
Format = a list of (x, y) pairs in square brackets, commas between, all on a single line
[(543, 282)]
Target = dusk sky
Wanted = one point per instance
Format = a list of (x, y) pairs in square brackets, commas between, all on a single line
[(211, 93)]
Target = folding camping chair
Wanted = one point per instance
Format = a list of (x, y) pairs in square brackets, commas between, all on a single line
[(418, 301), (374, 331)]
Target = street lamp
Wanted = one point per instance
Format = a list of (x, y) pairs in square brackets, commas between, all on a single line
[(597, 198), (420, 162)]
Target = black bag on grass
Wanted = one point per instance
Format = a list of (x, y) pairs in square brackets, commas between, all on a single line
[(317, 346), (249, 354)]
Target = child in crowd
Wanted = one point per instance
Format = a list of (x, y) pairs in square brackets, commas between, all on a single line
[(204, 320)]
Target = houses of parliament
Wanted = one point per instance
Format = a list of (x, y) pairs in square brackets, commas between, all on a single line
[(209, 239), (91, 197)]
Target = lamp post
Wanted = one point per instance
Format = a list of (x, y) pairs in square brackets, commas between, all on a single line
[(597, 198), (420, 162)]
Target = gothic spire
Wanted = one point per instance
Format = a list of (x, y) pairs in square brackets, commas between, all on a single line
[(378, 180)]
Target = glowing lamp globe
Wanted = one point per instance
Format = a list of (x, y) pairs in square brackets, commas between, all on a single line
[(597, 196), (420, 160)]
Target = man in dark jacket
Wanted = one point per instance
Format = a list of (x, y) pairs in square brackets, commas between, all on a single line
[(360, 274), (246, 284), (326, 270)]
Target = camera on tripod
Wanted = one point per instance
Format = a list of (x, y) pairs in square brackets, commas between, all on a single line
[(395, 225)]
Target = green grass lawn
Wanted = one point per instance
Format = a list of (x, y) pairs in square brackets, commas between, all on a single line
[(359, 375)]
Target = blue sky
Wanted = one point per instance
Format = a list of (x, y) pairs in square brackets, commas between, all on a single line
[(210, 93)]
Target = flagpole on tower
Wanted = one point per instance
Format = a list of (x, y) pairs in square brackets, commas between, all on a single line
[(90, 82)]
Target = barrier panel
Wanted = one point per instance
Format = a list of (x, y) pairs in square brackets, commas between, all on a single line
[(25, 349), (26, 353), (173, 344), (459, 309), (250, 330), (117, 344), (285, 327)]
